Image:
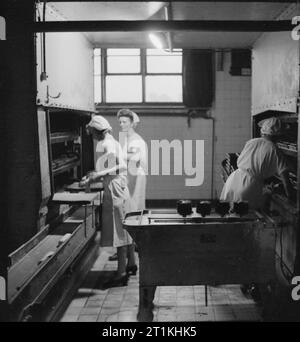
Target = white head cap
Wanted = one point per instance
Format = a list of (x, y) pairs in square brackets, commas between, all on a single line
[(130, 114), (271, 126), (99, 122)]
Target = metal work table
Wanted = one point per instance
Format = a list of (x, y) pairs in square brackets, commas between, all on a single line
[(176, 251)]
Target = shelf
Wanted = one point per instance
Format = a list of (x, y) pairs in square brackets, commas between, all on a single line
[(292, 180), (288, 152), (74, 187), (293, 117), (288, 148), (61, 137), (66, 167), (81, 198)]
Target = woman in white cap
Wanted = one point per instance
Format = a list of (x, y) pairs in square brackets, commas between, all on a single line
[(111, 167), (135, 152), (259, 160)]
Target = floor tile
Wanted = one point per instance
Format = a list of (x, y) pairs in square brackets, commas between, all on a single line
[(93, 303)]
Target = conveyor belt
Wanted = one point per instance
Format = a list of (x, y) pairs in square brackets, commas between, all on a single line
[(33, 261), (32, 277)]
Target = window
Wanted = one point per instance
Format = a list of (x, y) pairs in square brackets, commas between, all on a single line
[(123, 61), (123, 80), (137, 76), (97, 76)]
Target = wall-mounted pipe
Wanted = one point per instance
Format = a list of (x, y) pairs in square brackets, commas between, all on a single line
[(43, 75)]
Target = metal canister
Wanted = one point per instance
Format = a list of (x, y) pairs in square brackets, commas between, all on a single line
[(222, 208), (184, 207), (204, 208), (241, 208)]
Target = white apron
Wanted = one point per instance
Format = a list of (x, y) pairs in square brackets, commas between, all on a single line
[(115, 197), (115, 205), (136, 174), (259, 160), (137, 191), (242, 186)]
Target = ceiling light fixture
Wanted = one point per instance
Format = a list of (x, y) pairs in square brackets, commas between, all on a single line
[(157, 40), (163, 40), (169, 16)]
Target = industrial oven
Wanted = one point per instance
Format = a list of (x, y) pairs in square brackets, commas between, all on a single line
[(287, 210), (284, 211), (48, 233), (41, 272)]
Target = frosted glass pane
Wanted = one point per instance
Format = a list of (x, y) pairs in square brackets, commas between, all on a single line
[(163, 89), (164, 64), (123, 89), (123, 64), (97, 89), (97, 65), (123, 52)]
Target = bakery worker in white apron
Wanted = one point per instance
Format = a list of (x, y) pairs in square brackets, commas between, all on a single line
[(111, 168), (135, 152), (259, 160), (136, 157)]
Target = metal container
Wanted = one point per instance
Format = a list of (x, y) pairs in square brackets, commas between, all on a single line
[(222, 208), (184, 207), (204, 208), (241, 208)]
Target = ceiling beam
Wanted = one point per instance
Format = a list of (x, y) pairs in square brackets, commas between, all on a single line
[(212, 1), (160, 25)]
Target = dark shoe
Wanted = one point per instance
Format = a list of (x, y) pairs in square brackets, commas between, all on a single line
[(113, 257), (255, 293), (131, 270), (117, 281), (245, 288)]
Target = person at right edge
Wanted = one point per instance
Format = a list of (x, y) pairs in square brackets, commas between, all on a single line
[(259, 160)]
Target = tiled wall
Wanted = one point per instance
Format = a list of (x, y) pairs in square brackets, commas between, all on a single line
[(231, 111), (232, 116)]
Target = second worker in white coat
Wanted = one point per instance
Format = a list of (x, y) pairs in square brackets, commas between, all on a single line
[(135, 152), (259, 160)]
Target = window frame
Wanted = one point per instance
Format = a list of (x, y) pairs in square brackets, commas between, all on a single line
[(143, 73)]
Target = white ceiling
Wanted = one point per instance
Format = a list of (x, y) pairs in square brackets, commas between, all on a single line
[(180, 11), (108, 10)]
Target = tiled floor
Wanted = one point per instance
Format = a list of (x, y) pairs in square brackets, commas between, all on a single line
[(172, 303)]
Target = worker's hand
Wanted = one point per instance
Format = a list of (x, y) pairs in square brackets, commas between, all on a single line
[(84, 182), (93, 176)]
